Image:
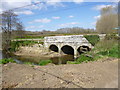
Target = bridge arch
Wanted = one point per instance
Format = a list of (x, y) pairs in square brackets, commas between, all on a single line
[(82, 49), (54, 48), (66, 49)]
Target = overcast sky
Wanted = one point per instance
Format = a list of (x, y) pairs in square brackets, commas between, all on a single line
[(55, 14)]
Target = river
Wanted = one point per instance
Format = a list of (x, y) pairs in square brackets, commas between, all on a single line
[(55, 60)]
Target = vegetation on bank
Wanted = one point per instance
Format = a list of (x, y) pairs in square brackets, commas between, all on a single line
[(93, 39), (44, 62), (30, 37), (107, 47), (16, 44), (7, 60)]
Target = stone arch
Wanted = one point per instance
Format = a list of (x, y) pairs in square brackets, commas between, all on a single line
[(66, 49), (83, 49), (54, 48)]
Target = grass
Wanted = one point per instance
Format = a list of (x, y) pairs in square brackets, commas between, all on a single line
[(7, 60), (16, 44), (44, 62), (112, 52), (85, 58), (30, 37), (108, 47), (93, 39), (72, 62), (28, 63)]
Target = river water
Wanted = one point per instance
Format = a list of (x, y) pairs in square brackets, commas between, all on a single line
[(55, 60)]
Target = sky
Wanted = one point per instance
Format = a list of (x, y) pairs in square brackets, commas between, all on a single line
[(55, 14)]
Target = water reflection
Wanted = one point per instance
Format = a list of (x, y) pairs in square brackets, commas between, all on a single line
[(36, 60), (62, 59), (56, 60)]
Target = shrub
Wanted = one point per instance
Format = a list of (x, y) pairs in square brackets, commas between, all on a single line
[(114, 52), (93, 39), (6, 60), (111, 36), (73, 62), (29, 63), (84, 58), (41, 43), (16, 44), (44, 62), (111, 52)]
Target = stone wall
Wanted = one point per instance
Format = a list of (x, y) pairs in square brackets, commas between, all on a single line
[(75, 41)]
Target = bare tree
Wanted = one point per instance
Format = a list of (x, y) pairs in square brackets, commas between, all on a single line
[(108, 20), (9, 23), (20, 30)]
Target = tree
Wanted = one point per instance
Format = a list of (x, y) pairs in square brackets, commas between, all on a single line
[(108, 20), (20, 30), (10, 23)]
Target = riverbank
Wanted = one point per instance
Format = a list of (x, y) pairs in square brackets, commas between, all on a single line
[(37, 53), (35, 50), (97, 74)]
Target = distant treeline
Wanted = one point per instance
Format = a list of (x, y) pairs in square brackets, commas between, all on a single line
[(75, 30)]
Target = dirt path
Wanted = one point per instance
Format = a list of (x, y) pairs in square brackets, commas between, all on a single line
[(87, 75)]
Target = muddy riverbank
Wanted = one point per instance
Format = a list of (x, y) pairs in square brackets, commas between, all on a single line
[(97, 74), (37, 52)]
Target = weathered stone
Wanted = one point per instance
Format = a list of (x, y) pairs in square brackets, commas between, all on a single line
[(74, 41)]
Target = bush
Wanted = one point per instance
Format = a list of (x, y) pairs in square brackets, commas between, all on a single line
[(112, 52), (84, 58), (111, 36), (6, 60), (29, 63), (44, 62), (73, 62), (16, 44), (93, 39)]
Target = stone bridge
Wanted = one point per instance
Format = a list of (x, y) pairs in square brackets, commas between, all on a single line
[(70, 44)]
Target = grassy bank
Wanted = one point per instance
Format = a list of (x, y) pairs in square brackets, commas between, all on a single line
[(10, 60), (107, 47), (16, 44)]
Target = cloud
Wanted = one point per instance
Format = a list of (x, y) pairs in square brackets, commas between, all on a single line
[(44, 20), (78, 1), (35, 27), (43, 4), (97, 17), (68, 24), (94, 23), (70, 16), (99, 7), (26, 12), (56, 17), (11, 4)]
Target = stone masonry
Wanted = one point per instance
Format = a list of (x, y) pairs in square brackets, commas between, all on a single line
[(75, 41)]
